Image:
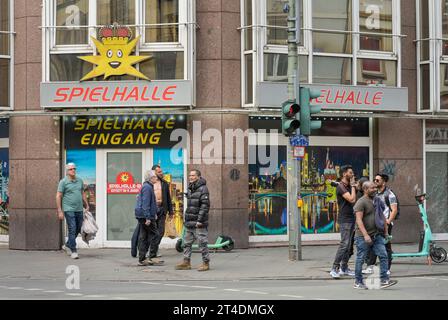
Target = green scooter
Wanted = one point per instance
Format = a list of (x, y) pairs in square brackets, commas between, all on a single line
[(222, 242), (428, 248)]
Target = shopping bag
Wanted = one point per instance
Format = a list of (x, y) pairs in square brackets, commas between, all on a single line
[(170, 227)]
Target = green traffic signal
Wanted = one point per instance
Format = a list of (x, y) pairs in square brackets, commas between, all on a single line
[(306, 110), (290, 123)]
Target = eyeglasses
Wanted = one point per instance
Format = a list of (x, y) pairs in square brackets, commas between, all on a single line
[(72, 169)]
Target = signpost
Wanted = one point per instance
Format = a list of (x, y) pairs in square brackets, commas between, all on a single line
[(293, 177)]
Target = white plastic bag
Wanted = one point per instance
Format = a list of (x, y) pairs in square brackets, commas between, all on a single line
[(89, 227)]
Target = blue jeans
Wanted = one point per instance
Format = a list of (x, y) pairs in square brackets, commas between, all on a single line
[(379, 248), (74, 222)]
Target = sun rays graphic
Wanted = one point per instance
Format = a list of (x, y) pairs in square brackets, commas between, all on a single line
[(114, 57)]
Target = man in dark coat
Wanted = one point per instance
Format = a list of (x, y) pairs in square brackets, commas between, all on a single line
[(164, 206), (196, 221)]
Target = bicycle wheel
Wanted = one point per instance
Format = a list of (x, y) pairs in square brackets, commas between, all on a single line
[(179, 246), (438, 254)]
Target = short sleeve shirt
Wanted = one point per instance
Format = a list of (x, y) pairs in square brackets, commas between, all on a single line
[(365, 205), (346, 214), (71, 194), (392, 200)]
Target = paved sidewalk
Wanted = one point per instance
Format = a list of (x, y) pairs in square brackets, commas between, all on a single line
[(239, 264)]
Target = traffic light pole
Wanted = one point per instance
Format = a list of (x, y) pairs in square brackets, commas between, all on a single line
[(293, 175)]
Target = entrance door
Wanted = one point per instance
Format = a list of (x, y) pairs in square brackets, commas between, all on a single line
[(122, 178)]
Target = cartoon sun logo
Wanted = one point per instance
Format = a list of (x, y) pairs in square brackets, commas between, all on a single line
[(114, 57), (124, 177)]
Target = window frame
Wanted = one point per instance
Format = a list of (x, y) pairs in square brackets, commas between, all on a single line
[(186, 43), (261, 47), (10, 56)]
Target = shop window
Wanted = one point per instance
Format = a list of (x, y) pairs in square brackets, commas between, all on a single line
[(73, 22), (162, 11), (4, 177), (75, 15), (320, 166), (332, 15), (377, 72), (436, 182), (6, 62), (332, 70), (164, 65), (375, 16)]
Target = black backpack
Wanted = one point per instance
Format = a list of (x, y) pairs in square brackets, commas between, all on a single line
[(386, 199)]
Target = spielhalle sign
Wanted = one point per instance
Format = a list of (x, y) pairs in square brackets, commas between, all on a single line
[(339, 97), (119, 94)]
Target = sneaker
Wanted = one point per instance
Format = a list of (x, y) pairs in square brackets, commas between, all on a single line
[(368, 270), (157, 261), (74, 255), (347, 272), (335, 274), (67, 250), (388, 283), (360, 285), (146, 262)]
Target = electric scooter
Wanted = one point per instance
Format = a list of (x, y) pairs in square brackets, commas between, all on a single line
[(428, 248), (222, 242)]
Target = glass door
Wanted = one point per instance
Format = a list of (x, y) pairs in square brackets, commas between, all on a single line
[(122, 180), (436, 186)]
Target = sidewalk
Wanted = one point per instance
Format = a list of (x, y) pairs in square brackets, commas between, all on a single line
[(239, 264)]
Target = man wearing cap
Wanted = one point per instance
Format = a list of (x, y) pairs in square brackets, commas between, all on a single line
[(70, 198), (390, 212)]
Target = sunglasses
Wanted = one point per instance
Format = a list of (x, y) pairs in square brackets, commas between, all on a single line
[(72, 169), (376, 180)]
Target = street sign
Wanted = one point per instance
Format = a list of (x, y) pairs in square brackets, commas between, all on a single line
[(299, 140), (299, 152)]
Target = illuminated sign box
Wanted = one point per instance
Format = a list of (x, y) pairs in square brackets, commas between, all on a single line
[(339, 97), (116, 94)]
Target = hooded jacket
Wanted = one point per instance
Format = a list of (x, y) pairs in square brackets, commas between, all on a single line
[(198, 204)]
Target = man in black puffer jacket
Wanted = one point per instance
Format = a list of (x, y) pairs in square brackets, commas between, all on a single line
[(196, 221)]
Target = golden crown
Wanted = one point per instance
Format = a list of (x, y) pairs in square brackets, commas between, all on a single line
[(115, 34)]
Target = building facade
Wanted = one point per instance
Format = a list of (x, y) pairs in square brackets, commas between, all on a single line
[(74, 87)]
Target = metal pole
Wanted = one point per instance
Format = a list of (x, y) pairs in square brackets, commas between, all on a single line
[(293, 176)]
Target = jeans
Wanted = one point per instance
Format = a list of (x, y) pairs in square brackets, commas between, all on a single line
[(343, 254), (73, 220), (148, 236), (190, 236), (378, 247), (371, 257)]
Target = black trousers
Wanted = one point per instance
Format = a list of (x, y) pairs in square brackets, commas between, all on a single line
[(148, 237), (371, 257), (161, 218)]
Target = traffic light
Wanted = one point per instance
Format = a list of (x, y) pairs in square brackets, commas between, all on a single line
[(290, 123), (306, 110)]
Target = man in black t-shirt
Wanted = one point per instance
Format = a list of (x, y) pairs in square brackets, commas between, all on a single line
[(346, 195)]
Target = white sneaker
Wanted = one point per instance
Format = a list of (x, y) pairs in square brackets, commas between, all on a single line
[(74, 255), (335, 274), (368, 270), (67, 250)]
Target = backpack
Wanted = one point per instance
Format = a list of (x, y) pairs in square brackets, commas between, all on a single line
[(386, 199), (380, 219)]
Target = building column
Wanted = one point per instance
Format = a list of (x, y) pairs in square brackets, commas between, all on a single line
[(34, 150)]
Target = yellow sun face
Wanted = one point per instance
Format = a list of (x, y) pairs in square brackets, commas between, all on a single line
[(124, 177), (114, 58)]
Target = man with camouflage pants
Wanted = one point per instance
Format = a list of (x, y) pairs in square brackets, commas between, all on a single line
[(196, 221)]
